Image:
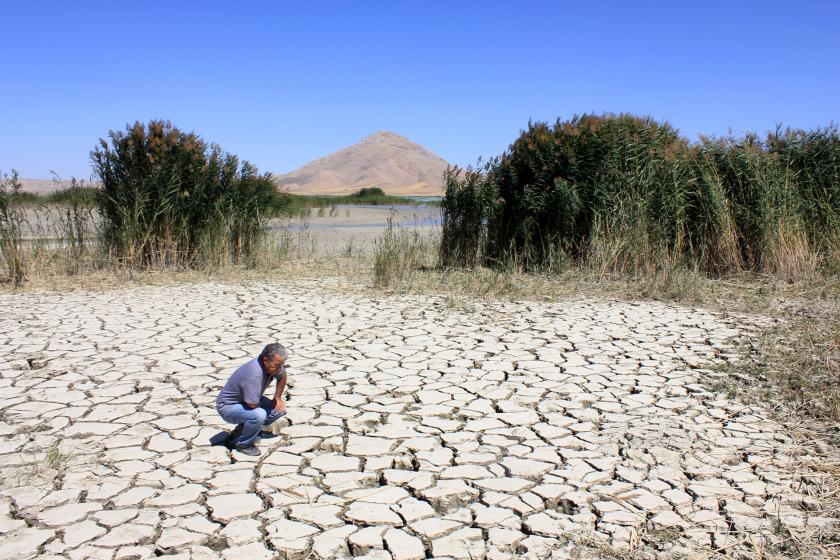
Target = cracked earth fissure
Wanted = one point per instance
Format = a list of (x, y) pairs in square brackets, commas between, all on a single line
[(413, 431)]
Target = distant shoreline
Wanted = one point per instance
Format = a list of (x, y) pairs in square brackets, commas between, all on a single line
[(49, 186)]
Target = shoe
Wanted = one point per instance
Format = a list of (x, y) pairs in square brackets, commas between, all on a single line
[(264, 435), (234, 435), (250, 450)]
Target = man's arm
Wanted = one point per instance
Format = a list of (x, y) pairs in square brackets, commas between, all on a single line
[(251, 392), (279, 405)]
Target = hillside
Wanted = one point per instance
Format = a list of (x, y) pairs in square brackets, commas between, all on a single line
[(384, 159)]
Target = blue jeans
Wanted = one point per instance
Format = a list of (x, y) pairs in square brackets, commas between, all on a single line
[(254, 419)]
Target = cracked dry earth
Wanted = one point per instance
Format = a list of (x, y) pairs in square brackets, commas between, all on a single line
[(415, 430)]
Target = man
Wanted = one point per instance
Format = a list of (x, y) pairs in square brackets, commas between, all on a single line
[(241, 400)]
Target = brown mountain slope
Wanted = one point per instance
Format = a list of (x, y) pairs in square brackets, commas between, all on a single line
[(386, 160)]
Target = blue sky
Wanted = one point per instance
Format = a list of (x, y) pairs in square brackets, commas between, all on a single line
[(282, 83)]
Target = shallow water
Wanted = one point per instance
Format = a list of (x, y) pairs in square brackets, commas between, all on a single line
[(359, 230), (365, 217)]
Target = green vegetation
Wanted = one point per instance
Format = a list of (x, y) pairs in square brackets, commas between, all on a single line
[(25, 197), (12, 222), (76, 194), (287, 204), (55, 459), (623, 194), (169, 199), (368, 192)]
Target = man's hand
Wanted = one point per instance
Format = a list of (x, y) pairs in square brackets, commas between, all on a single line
[(279, 405)]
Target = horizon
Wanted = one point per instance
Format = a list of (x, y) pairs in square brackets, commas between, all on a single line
[(281, 86)]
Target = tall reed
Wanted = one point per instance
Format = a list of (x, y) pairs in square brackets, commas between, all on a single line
[(466, 209), (627, 194), (397, 254), (74, 225), (12, 226), (169, 199)]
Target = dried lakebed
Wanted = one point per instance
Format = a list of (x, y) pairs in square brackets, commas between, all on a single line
[(415, 430)]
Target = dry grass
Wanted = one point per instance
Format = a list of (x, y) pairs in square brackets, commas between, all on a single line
[(300, 256), (795, 363), (792, 369)]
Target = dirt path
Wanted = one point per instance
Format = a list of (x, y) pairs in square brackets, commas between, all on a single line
[(414, 430)]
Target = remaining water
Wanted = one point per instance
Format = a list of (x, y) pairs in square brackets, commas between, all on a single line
[(365, 216)]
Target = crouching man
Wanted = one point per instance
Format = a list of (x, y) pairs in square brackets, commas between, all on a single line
[(241, 400)]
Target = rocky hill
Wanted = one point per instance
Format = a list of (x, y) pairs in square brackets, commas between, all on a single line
[(384, 159)]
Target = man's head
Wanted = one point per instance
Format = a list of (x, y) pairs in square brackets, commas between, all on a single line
[(273, 358)]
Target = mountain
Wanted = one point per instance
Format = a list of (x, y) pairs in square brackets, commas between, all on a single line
[(384, 159)]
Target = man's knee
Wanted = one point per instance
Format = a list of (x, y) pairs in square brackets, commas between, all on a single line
[(257, 415)]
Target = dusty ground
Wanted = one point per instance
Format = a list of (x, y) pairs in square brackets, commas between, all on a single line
[(414, 430)]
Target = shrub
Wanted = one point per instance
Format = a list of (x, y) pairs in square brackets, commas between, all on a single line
[(167, 198), (369, 192)]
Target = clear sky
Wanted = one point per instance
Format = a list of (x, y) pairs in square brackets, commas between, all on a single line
[(281, 83)]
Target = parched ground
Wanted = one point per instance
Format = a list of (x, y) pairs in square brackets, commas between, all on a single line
[(416, 429)]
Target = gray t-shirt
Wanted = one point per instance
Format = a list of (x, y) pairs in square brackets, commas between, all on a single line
[(246, 385)]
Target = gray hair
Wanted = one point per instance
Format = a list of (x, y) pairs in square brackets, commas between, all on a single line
[(274, 349)]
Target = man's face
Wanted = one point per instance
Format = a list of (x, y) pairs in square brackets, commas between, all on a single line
[(273, 365)]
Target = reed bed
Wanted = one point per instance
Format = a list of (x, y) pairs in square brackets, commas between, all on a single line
[(627, 195), (167, 198)]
